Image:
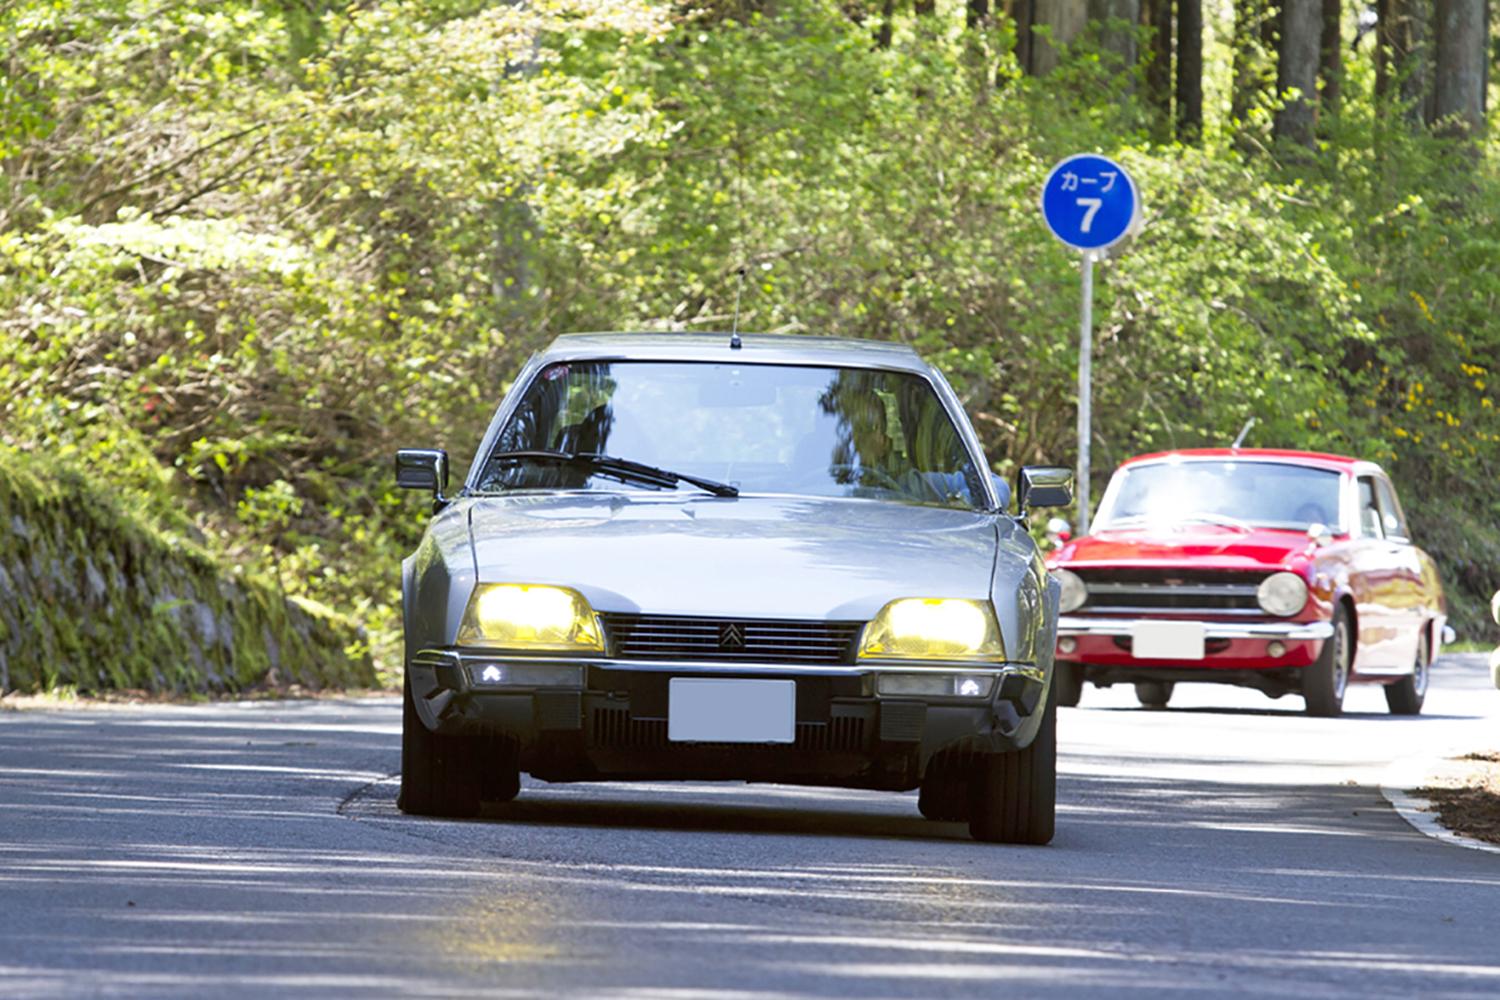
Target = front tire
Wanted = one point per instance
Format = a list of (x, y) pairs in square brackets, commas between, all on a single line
[(944, 797), (1154, 694), (1067, 684), (1324, 682), (1014, 795), (439, 772), (1405, 697)]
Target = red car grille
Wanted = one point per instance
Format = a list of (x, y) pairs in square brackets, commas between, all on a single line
[(1184, 591)]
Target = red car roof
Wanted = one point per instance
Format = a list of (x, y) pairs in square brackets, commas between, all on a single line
[(1316, 459)]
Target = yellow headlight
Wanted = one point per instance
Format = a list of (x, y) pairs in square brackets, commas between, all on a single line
[(530, 617), (934, 628)]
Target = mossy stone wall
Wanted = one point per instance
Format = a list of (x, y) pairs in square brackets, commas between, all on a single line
[(97, 598)]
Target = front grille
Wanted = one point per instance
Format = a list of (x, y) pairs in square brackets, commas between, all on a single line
[(1177, 591), (617, 729), (736, 640)]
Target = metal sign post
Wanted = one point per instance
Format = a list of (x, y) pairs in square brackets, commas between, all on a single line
[(1090, 203), (1085, 391)]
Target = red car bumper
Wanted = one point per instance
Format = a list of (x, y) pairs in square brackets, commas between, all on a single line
[(1107, 642)]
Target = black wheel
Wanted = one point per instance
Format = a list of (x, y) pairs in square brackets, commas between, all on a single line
[(439, 776), (1405, 697), (499, 777), (1067, 684), (1154, 694), (945, 790), (1324, 682), (1013, 796)]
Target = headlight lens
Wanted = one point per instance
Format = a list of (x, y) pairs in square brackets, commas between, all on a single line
[(530, 617), (1074, 591), (1282, 594), (933, 628)]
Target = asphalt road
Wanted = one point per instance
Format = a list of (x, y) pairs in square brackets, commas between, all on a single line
[(1229, 845)]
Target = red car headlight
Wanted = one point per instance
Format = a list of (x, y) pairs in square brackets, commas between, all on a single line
[(1282, 594)]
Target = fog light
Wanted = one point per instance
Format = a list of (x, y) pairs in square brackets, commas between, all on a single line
[(1276, 648), (936, 685), (1067, 644), (526, 675)]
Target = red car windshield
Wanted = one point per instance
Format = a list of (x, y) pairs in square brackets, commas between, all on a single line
[(1230, 492)]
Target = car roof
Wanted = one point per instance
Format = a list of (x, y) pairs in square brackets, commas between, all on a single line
[(756, 348), (1311, 459)]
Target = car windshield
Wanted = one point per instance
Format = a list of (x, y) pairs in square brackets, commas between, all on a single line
[(1230, 493), (816, 431)]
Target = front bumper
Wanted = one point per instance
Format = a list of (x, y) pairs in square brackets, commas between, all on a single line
[(1235, 652), (1285, 631), (609, 718)]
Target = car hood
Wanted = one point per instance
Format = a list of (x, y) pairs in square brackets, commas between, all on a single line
[(1202, 546), (753, 557)]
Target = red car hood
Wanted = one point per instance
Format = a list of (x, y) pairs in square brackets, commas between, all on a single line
[(1204, 546)]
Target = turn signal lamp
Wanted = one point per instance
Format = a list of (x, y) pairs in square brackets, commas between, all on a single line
[(933, 628), (531, 617)]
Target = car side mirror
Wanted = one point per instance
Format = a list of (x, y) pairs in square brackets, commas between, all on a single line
[(422, 469), (1044, 486), (1002, 491)]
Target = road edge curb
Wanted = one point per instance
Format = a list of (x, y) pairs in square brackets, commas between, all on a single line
[(1398, 784)]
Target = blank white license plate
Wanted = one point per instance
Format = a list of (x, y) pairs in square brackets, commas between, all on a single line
[(1167, 640), (703, 710)]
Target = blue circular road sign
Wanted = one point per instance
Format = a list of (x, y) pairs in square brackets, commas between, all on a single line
[(1090, 202)]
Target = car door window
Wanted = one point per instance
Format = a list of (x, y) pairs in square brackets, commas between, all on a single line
[(1391, 518), (1369, 513)]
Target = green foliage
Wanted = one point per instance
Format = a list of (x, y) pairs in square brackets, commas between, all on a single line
[(247, 249)]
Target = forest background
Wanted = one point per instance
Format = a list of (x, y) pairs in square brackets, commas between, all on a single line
[(250, 247)]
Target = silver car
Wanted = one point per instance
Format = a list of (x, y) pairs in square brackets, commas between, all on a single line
[(712, 557)]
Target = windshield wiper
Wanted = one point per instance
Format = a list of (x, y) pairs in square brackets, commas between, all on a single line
[(1222, 520), (620, 468)]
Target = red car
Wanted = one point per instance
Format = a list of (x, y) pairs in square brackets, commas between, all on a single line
[(1286, 571)]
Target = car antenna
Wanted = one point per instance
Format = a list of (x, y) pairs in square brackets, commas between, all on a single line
[(1243, 431), (734, 332)]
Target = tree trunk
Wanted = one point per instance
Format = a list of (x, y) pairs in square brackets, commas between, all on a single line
[(883, 33), (1189, 70), (976, 12), (1023, 13), (1117, 20), (1066, 19), (1297, 69), (1157, 15), (1254, 41), (924, 7), (1332, 55), (1402, 63), (1416, 88), (1462, 36), (1384, 39)]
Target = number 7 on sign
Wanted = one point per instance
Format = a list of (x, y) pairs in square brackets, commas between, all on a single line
[(1091, 205)]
